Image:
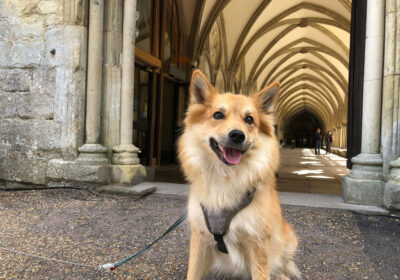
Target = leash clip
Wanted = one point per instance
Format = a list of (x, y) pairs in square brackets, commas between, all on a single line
[(107, 266)]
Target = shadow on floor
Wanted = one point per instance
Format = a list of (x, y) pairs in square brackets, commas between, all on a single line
[(170, 174)]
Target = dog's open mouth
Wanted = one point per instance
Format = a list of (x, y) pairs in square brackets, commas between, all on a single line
[(227, 155)]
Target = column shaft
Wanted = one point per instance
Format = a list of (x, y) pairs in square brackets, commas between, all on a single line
[(371, 120), (94, 77), (126, 152), (128, 67), (92, 153)]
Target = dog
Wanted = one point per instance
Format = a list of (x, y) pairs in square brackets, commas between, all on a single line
[(229, 154)]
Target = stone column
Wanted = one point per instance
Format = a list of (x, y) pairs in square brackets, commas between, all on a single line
[(335, 140), (126, 153), (344, 129), (390, 112), (126, 165), (92, 152), (364, 185)]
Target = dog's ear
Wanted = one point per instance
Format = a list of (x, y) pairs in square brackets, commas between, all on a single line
[(200, 88), (268, 97)]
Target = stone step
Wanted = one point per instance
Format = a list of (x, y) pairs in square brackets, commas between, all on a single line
[(141, 189)]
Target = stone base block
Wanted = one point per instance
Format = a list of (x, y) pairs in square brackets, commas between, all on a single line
[(137, 190), (391, 197), (128, 174), (12, 185), (364, 192), (61, 170)]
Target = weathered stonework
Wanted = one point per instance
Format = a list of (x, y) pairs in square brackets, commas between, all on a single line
[(128, 174), (364, 185), (42, 85), (390, 144), (71, 171), (392, 188)]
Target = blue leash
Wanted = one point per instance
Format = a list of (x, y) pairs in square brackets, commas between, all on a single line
[(127, 259)]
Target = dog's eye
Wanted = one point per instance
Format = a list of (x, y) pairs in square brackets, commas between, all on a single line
[(249, 120), (218, 115)]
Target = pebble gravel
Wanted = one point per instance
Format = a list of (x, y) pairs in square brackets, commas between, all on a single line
[(91, 229)]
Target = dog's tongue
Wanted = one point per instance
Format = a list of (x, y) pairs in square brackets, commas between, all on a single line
[(232, 156)]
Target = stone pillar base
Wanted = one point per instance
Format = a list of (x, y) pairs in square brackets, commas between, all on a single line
[(367, 166), (391, 196), (364, 192), (92, 154), (128, 174), (364, 185), (125, 155), (61, 170)]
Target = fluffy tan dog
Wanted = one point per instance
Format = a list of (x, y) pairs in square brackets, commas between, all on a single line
[(229, 152)]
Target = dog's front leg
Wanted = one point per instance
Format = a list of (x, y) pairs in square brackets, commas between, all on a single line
[(200, 256), (259, 263)]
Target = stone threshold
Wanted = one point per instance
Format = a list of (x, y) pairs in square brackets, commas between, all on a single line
[(291, 198), (140, 190), (328, 201)]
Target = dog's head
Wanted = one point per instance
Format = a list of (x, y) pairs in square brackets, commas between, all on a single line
[(229, 125)]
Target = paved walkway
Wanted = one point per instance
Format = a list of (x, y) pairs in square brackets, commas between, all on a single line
[(303, 171), (288, 198)]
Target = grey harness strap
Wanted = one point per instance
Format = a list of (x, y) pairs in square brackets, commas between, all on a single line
[(218, 223)]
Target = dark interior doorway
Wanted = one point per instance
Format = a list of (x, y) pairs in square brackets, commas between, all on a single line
[(141, 112), (302, 128), (169, 130), (168, 169)]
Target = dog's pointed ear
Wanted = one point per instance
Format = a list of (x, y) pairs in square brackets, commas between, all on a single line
[(268, 97), (200, 88)]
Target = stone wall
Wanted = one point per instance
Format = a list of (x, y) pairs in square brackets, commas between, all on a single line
[(42, 85)]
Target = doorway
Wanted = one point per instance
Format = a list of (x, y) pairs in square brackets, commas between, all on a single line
[(302, 129), (141, 113), (170, 128)]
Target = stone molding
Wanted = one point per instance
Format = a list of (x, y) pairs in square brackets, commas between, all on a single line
[(75, 12), (125, 154), (92, 154), (367, 166)]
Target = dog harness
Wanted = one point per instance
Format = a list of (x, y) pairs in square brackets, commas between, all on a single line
[(218, 223)]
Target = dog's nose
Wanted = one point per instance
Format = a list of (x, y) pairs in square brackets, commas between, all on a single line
[(236, 136)]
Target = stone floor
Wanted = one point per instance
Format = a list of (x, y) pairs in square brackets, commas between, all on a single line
[(92, 229), (301, 170)]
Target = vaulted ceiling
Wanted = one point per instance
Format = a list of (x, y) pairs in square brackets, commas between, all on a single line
[(302, 44)]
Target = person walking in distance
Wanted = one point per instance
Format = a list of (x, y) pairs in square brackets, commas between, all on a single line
[(317, 137), (329, 141)]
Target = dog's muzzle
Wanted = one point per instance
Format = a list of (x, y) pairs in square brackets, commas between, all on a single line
[(231, 152)]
